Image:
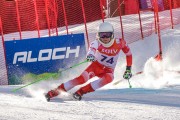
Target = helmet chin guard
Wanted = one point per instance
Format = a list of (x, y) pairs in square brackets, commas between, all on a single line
[(109, 44), (106, 27)]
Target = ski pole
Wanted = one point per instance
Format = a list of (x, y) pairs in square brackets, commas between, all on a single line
[(46, 78), (73, 66), (130, 86)]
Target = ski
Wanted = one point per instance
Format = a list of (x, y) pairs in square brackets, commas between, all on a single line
[(64, 97), (173, 71), (117, 82)]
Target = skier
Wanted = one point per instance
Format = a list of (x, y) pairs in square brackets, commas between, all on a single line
[(103, 53)]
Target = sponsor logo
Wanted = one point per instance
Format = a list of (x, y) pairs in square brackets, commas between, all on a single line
[(110, 51), (45, 55)]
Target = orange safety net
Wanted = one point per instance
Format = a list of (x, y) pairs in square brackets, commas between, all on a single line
[(51, 14)]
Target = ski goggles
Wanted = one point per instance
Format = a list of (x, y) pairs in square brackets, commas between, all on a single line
[(105, 34)]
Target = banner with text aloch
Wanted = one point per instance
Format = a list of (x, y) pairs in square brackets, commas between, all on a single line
[(41, 58)]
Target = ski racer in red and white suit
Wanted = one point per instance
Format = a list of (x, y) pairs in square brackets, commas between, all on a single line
[(104, 54)]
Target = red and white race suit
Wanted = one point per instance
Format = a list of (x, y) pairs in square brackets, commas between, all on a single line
[(103, 67)]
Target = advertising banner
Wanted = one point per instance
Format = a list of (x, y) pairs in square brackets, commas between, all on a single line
[(146, 4), (160, 5), (31, 59)]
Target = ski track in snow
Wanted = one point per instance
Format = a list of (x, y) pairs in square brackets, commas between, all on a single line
[(117, 104)]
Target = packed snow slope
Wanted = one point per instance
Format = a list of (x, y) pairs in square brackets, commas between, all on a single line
[(155, 94)]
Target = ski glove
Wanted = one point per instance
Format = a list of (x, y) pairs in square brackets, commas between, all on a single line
[(127, 73), (90, 58)]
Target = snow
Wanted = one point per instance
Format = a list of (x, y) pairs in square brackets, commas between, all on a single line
[(155, 94)]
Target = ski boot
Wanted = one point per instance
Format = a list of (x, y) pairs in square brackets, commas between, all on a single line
[(77, 96), (51, 94), (54, 93), (47, 97), (86, 89)]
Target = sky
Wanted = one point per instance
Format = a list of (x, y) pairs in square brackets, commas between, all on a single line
[(155, 94)]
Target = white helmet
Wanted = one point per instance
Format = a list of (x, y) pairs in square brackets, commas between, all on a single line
[(106, 27)]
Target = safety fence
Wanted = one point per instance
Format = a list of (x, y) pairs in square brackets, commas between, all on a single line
[(133, 20)]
